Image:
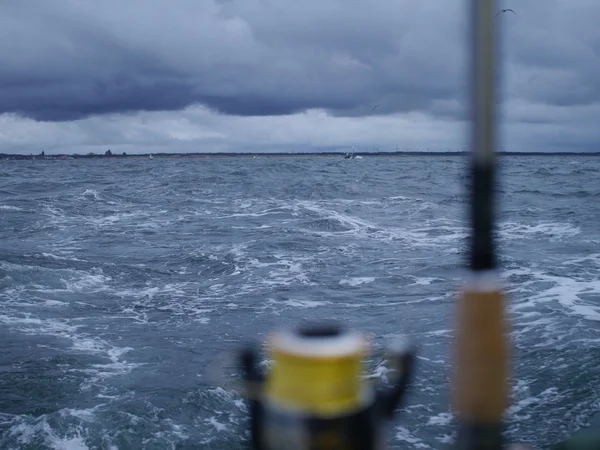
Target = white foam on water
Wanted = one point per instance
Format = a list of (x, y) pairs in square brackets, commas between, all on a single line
[(80, 342), (555, 231), (58, 217), (73, 280), (304, 303), (284, 272), (440, 332), (524, 328), (175, 430), (52, 303), (355, 224), (565, 290), (590, 261), (445, 438), (441, 419), (73, 443), (91, 193), (259, 227), (421, 203), (404, 435), (66, 434), (441, 233), (239, 403), (94, 281), (380, 372), (429, 237), (112, 219), (216, 424), (10, 208), (424, 281), (220, 392), (554, 303), (29, 324), (266, 212), (27, 432), (177, 299), (86, 415), (523, 402), (61, 258), (424, 299), (356, 281)]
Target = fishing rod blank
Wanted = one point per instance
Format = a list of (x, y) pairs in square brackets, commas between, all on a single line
[(481, 372)]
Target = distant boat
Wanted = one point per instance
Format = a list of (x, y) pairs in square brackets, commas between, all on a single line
[(350, 155), (150, 157)]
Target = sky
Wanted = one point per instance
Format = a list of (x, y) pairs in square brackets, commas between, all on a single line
[(151, 76)]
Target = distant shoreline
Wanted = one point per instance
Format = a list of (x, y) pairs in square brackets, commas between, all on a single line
[(6, 156)]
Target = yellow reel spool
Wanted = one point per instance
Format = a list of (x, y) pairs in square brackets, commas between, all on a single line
[(318, 372)]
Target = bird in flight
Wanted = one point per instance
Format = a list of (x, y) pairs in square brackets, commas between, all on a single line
[(373, 107), (506, 10)]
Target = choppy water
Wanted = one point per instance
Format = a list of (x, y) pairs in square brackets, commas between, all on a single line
[(121, 279)]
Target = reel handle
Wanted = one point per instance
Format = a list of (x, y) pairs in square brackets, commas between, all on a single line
[(253, 382), (402, 355)]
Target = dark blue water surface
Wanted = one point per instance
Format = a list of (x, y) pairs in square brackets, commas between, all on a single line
[(122, 279)]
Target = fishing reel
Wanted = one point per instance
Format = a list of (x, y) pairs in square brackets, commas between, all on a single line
[(315, 396)]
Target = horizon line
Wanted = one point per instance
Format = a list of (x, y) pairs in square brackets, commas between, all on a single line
[(42, 155)]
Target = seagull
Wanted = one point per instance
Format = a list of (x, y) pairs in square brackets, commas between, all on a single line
[(373, 107), (506, 10)]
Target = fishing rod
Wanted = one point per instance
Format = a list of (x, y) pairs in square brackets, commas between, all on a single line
[(316, 397), (481, 344)]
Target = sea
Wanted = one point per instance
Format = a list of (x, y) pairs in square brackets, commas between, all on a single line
[(126, 285)]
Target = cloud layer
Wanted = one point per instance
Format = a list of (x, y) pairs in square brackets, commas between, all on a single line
[(229, 63)]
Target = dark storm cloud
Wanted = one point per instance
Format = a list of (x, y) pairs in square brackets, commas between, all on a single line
[(69, 60), (554, 50)]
